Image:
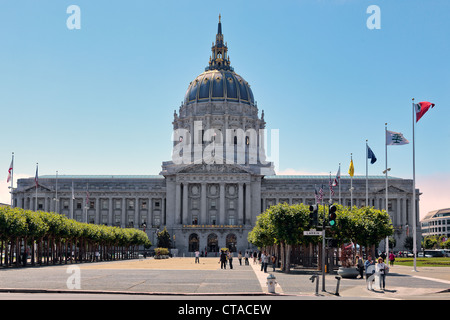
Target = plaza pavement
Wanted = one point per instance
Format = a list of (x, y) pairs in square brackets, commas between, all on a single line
[(181, 277)]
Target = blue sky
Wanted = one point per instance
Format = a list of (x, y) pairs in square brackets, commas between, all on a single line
[(100, 100)]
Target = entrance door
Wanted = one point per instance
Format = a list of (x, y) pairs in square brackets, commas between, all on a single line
[(213, 243)]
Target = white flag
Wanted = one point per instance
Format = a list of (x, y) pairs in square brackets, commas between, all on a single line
[(395, 138)]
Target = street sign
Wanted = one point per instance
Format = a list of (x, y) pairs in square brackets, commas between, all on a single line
[(312, 232)]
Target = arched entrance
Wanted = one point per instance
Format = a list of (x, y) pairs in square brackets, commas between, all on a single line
[(213, 243), (231, 242), (193, 242)]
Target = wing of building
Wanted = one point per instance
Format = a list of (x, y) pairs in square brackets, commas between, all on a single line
[(218, 180)]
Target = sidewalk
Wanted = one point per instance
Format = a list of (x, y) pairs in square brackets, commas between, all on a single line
[(182, 276)]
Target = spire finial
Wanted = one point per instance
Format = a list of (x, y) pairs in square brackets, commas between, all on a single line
[(219, 17)]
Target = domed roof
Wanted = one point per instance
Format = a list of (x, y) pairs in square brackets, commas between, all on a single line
[(219, 85), (219, 82)]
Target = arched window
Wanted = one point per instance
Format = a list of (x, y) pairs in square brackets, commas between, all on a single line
[(193, 242), (231, 242), (213, 243)]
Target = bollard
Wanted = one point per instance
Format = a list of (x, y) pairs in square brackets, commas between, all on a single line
[(337, 286), (271, 283), (317, 283)]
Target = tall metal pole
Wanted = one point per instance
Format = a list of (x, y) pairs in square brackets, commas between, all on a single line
[(12, 178), (413, 203), (323, 247), (56, 194), (367, 174), (387, 201)]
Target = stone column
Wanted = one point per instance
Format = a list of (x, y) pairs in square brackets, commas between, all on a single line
[(185, 204), (177, 203), (203, 218), (110, 212), (222, 203), (124, 220), (248, 204), (241, 203), (137, 221), (97, 219)]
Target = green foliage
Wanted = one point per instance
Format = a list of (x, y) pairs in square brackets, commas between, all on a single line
[(164, 239), (161, 251), (20, 223), (285, 223)]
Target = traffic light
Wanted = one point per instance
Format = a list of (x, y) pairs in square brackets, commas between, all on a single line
[(313, 215), (332, 215)]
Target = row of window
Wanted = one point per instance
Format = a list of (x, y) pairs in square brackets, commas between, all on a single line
[(104, 204)]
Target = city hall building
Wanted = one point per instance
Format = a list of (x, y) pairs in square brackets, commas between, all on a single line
[(218, 181)]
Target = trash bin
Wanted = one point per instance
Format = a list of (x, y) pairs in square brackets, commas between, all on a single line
[(271, 283)]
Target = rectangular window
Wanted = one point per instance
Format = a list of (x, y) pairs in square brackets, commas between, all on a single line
[(118, 204), (105, 204), (144, 205)]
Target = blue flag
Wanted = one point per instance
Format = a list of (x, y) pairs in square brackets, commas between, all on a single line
[(371, 155)]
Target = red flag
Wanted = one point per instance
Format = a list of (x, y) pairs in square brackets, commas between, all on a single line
[(9, 172), (422, 108)]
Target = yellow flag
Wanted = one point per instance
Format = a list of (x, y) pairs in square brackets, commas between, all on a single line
[(351, 170)]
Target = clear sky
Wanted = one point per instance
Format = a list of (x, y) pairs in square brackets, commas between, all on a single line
[(100, 99)]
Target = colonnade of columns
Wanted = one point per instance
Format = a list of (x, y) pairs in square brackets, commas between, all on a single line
[(221, 208)]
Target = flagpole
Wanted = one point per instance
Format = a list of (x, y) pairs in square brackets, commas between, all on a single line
[(387, 196), (414, 192), (339, 182), (56, 193), (35, 208), (12, 178), (367, 174), (71, 202), (351, 184)]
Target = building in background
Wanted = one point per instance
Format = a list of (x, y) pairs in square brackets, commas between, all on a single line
[(218, 181), (436, 223)]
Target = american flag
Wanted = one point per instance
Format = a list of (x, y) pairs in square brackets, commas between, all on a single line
[(316, 195), (331, 187)]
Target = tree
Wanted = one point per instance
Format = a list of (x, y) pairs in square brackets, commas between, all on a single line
[(164, 240)]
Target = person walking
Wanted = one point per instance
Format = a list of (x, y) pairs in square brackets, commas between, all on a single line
[(246, 258), (273, 258), (369, 267), (360, 266), (255, 255), (381, 268), (223, 260), (391, 259), (264, 261), (197, 256), (240, 258), (230, 259)]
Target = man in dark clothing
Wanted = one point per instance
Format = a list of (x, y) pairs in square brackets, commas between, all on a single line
[(223, 260)]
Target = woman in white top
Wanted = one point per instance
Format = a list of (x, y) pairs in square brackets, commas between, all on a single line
[(381, 268)]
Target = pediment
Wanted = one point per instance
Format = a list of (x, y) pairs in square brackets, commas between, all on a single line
[(40, 188), (391, 189)]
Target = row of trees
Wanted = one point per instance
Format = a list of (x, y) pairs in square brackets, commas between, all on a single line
[(37, 237), (436, 242), (283, 225)]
